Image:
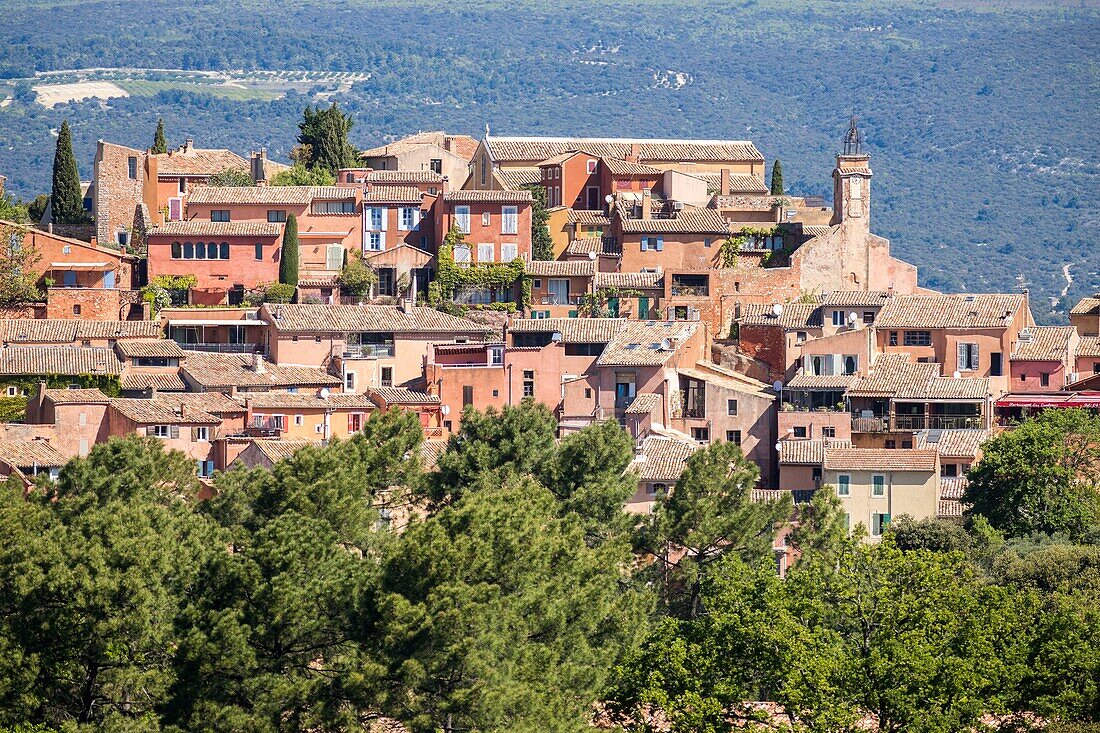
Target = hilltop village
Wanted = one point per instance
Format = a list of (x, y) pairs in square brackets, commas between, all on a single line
[(662, 284)]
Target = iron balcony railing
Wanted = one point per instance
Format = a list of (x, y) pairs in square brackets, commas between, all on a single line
[(222, 348)]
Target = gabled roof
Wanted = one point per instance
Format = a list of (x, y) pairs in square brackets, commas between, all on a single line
[(366, 318), (589, 217), (572, 330), (561, 268), (953, 443), (855, 298), (876, 459), (1046, 343), (629, 280), (795, 316), (76, 396), (662, 459), (640, 343), (487, 197), (807, 452), (214, 370), (272, 195), (163, 382), (893, 375), (393, 194), (602, 246), (160, 412), (202, 228), (692, 220), (1089, 346), (64, 331), (463, 146), (59, 360), (515, 179), (403, 177), (1086, 306), (305, 401), (192, 161), (534, 149), (403, 396), (960, 311), (159, 348), (619, 167), (30, 453)]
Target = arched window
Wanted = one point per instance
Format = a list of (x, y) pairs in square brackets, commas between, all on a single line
[(200, 251), (225, 250), (177, 251), (188, 251), (212, 251)]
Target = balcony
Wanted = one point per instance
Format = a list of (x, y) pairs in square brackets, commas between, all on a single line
[(560, 299), (222, 348), (368, 351), (913, 423)]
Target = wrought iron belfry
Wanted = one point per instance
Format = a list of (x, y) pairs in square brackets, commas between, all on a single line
[(853, 140)]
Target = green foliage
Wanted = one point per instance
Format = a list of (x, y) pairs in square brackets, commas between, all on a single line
[(279, 293), (174, 282), (451, 276), (357, 277), (36, 209), (596, 305), (542, 244), (17, 267), (160, 144), (935, 535), (300, 175), (16, 211), (234, 177), (324, 133), (14, 409), (777, 178), (730, 249), (1042, 476), (290, 260), (67, 201)]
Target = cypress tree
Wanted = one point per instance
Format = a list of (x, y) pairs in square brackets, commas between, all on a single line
[(66, 202), (288, 262), (777, 178), (160, 145)]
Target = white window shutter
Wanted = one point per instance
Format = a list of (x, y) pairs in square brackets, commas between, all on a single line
[(382, 239), (416, 219), (974, 361), (175, 431), (382, 211), (645, 243), (660, 244), (963, 357)]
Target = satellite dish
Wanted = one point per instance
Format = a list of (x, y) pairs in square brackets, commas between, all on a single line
[(446, 409), (777, 309), (778, 447), (608, 199), (556, 336), (777, 386), (957, 374), (324, 393), (591, 255), (666, 345), (852, 317)]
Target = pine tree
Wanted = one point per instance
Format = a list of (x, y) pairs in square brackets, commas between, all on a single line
[(542, 245), (160, 145), (66, 202), (325, 132), (777, 178), (288, 262)]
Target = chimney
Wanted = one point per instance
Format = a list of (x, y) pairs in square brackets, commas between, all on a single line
[(448, 143), (152, 391), (724, 182), (189, 145), (259, 172), (405, 305), (49, 227), (232, 390), (181, 410), (647, 205), (258, 363), (635, 153)]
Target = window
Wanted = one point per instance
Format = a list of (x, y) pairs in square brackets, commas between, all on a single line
[(509, 220), (918, 338), (189, 251), (967, 357), (843, 485), (879, 522), (733, 436), (131, 167), (436, 165), (177, 250), (200, 434), (161, 431), (299, 419), (800, 431), (827, 431), (868, 317), (205, 468), (462, 218), (183, 185), (408, 218), (878, 485), (14, 392), (219, 215), (700, 435), (509, 252), (800, 337), (485, 218), (588, 393), (851, 364), (528, 388), (496, 356), (591, 167), (333, 207), (891, 444), (259, 251), (223, 251), (949, 470), (893, 338), (200, 251), (731, 407), (1044, 379), (706, 241), (355, 422), (349, 380), (583, 349), (485, 252), (838, 318), (276, 216), (374, 241), (212, 250), (657, 489), (557, 291), (76, 309), (467, 394), (387, 376)]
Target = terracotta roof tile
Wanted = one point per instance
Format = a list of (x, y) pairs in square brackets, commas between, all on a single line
[(821, 381), (77, 397), (692, 220), (619, 167), (517, 179), (807, 452), (198, 162), (855, 298), (212, 370), (876, 459), (202, 228), (662, 459), (1089, 346), (508, 149), (60, 331), (948, 509), (795, 316), (1086, 306), (291, 400), (561, 268), (1047, 343), (160, 412), (603, 246), (953, 487), (572, 330), (463, 146), (393, 194), (892, 375), (644, 404), (159, 348), (366, 318), (274, 195), (430, 452), (30, 453), (405, 177), (403, 396), (280, 450), (950, 311), (487, 197), (59, 360), (118, 329), (744, 202), (639, 343), (953, 443), (588, 217), (170, 382)]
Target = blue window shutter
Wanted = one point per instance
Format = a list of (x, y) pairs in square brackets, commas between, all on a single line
[(660, 244), (645, 243)]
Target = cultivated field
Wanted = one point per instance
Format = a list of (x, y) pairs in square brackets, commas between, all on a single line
[(51, 95)]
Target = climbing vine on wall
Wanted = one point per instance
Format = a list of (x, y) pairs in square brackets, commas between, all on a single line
[(450, 276), (14, 409)]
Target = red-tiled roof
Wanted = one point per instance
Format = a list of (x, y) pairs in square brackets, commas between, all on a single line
[(875, 459), (202, 228)]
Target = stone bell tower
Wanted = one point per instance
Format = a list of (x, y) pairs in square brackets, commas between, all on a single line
[(852, 182)]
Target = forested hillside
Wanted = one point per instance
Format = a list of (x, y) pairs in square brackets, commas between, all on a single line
[(981, 123)]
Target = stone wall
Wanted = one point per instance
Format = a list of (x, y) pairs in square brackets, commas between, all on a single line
[(116, 195)]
